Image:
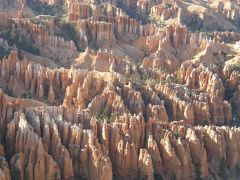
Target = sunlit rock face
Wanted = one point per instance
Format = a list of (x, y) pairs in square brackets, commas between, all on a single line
[(119, 90)]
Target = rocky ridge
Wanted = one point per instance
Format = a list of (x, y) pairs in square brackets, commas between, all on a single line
[(119, 90)]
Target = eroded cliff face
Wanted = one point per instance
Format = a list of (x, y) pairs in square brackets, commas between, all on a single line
[(127, 89), (104, 125), (200, 100), (45, 140)]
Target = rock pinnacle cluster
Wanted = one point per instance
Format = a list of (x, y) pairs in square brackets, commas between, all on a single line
[(119, 90)]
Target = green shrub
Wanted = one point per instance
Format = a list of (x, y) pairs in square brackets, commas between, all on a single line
[(167, 5), (103, 116), (111, 119), (68, 30), (176, 133), (41, 7), (22, 42), (3, 52)]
